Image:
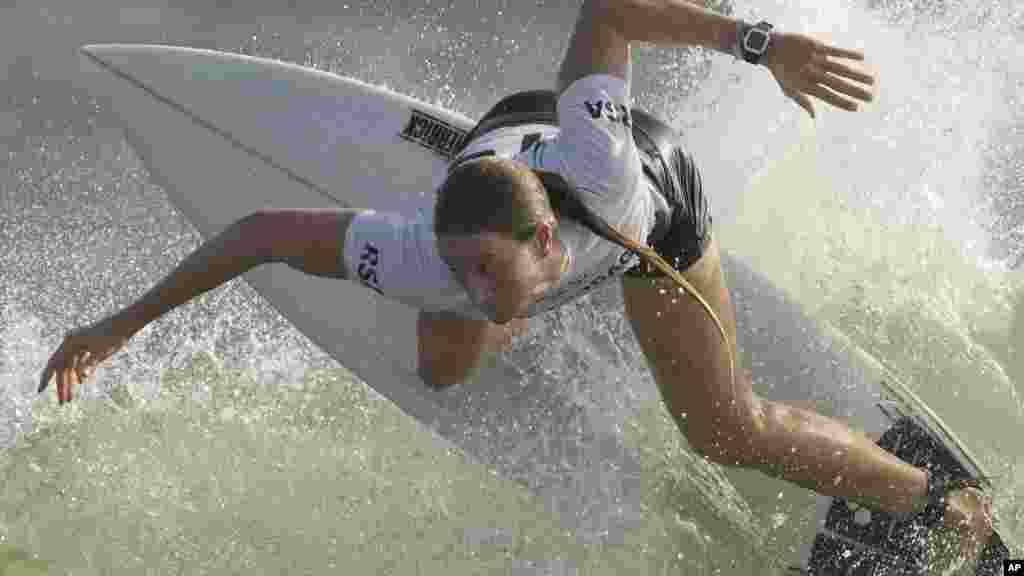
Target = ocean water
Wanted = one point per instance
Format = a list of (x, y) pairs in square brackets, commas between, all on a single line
[(222, 441)]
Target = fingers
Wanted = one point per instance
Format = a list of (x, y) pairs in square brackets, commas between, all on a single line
[(831, 88), (832, 98), (68, 365), (839, 85), (77, 373), (54, 369), (66, 374), (64, 390), (84, 364), (805, 103), (61, 376), (835, 75), (843, 53), (813, 74), (840, 69)]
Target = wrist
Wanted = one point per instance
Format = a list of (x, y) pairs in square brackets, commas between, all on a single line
[(731, 40), (129, 321), (754, 42)]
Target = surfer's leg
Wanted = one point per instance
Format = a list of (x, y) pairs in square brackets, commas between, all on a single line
[(450, 348), (728, 424), (812, 406), (723, 419)]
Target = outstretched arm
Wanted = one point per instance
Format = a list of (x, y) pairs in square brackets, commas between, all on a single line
[(307, 240), (671, 23), (604, 29), (802, 66)]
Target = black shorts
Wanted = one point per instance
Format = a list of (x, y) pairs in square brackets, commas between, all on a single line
[(679, 238)]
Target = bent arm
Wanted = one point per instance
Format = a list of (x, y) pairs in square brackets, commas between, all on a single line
[(308, 240), (604, 28), (670, 23), (597, 152)]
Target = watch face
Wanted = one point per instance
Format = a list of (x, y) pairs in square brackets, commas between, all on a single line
[(756, 41)]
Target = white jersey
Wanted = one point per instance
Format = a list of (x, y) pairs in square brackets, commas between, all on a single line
[(592, 148)]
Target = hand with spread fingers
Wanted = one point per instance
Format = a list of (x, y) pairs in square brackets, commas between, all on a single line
[(804, 67), (82, 350)]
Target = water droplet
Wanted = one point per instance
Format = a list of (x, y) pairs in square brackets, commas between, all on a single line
[(862, 517), (778, 519)]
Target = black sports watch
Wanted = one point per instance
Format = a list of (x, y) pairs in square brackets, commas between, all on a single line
[(753, 41)]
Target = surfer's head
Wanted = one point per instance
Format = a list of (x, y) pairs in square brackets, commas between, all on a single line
[(497, 231)]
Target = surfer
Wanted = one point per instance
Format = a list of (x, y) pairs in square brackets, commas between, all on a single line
[(553, 194)]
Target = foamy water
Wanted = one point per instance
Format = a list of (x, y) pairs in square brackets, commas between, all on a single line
[(222, 441)]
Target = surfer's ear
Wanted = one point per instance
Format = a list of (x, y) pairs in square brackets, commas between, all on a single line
[(545, 237)]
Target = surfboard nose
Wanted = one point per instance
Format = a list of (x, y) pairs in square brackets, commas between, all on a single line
[(95, 57), (137, 57), (91, 49), (97, 51), (94, 67)]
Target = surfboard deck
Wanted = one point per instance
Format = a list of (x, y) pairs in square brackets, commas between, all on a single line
[(855, 540), (227, 134), (852, 540)]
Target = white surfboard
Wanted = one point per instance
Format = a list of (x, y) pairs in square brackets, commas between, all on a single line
[(228, 134)]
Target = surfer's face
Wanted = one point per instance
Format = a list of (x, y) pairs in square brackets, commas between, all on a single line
[(502, 275)]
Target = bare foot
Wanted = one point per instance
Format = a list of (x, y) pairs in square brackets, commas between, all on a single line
[(969, 514)]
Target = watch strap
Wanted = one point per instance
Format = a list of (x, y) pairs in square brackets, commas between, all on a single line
[(737, 49)]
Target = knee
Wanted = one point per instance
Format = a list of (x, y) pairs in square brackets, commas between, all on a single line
[(728, 435)]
